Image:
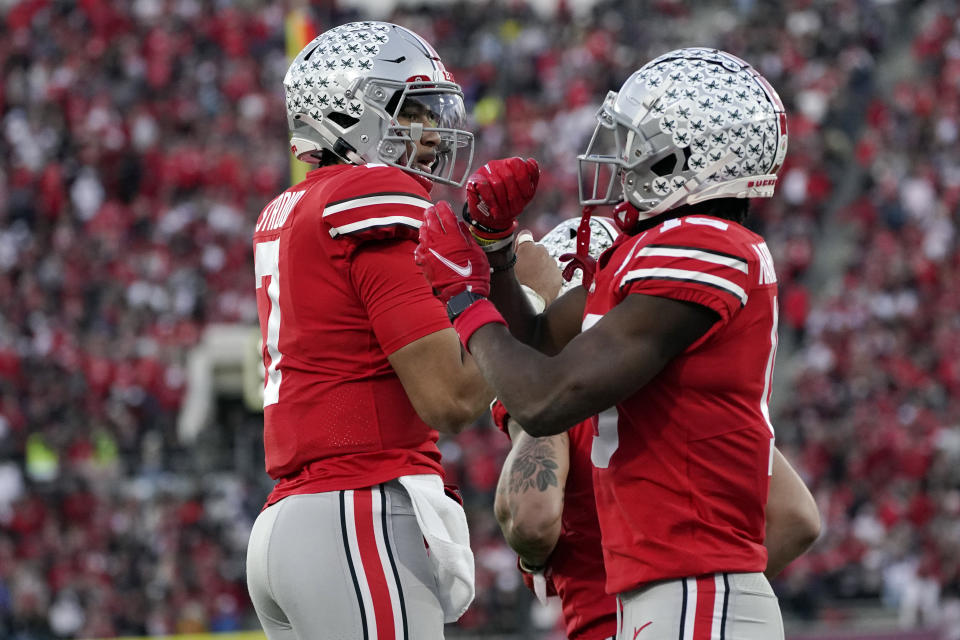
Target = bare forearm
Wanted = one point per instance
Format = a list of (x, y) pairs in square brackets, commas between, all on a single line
[(442, 381), (782, 549), (513, 305), (528, 382), (549, 394), (786, 540), (471, 393), (529, 502), (793, 520)]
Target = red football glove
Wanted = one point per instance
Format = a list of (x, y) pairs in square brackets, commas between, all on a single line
[(496, 194), (451, 261)]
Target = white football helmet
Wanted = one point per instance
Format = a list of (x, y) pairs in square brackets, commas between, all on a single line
[(346, 88), (691, 125), (562, 239)]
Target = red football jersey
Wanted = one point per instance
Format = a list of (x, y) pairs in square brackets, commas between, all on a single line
[(681, 482), (576, 564), (337, 292)]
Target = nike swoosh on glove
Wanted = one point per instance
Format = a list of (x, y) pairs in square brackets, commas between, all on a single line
[(451, 261), (497, 194)]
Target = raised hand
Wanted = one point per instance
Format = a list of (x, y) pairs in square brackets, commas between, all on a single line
[(496, 194)]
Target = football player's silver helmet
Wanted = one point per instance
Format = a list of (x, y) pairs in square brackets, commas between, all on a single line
[(347, 89), (691, 125), (562, 239)]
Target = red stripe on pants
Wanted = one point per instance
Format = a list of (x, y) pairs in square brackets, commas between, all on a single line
[(373, 564), (703, 620)]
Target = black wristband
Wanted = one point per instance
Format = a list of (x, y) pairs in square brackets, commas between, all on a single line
[(461, 302), (465, 214), (506, 266)]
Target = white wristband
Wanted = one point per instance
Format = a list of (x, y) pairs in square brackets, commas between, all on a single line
[(536, 300), (539, 580)]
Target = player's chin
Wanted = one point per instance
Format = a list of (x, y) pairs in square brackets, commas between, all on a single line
[(424, 167), (426, 163)]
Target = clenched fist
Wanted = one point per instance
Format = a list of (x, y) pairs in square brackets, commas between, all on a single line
[(496, 194)]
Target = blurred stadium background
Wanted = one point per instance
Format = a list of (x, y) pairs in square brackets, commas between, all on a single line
[(140, 138)]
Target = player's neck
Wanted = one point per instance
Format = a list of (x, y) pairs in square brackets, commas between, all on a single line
[(732, 209)]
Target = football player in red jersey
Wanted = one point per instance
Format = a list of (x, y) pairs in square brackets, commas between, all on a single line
[(545, 501), (676, 326), (362, 365)]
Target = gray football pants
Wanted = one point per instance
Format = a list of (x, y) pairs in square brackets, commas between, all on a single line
[(720, 606), (343, 565)]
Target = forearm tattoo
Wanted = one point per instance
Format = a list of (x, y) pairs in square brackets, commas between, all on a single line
[(533, 467)]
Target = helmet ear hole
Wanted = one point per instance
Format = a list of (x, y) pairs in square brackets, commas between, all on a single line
[(342, 120), (664, 166), (393, 103)]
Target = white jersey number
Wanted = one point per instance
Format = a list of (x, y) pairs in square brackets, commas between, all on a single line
[(267, 266)]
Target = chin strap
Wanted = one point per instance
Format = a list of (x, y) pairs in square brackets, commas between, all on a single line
[(582, 259)]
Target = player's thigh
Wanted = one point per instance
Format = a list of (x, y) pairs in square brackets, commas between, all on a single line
[(424, 615), (731, 606), (754, 611), (352, 564), (273, 620)]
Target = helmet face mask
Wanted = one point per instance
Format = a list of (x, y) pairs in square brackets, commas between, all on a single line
[(599, 167), (422, 111), (347, 87), (691, 125)]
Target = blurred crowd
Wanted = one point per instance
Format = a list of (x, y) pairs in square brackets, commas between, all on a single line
[(880, 363), (139, 141)]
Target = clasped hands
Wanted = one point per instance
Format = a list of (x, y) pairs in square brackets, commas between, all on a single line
[(453, 252)]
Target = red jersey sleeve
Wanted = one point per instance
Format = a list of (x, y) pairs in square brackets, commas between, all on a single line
[(373, 202), (695, 260), (396, 296)]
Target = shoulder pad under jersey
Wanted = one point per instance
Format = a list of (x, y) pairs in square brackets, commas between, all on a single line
[(375, 202)]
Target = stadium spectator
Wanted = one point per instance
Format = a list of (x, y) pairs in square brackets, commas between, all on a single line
[(165, 116)]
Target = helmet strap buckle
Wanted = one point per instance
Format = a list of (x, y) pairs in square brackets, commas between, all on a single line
[(582, 259)]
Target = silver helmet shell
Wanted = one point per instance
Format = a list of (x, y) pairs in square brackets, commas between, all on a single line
[(347, 87), (691, 125), (562, 239)]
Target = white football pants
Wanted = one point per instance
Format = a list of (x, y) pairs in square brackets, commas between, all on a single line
[(343, 565), (718, 606)]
